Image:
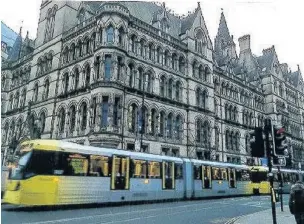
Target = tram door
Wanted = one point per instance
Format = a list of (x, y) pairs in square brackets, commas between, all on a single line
[(168, 175), (206, 176), (120, 173), (231, 177)]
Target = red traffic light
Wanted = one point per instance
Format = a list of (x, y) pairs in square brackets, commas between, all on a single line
[(280, 130)]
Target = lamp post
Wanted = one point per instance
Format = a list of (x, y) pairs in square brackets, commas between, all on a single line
[(143, 121)]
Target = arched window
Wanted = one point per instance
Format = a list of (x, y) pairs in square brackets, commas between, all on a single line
[(141, 79), (79, 46), (108, 65), (110, 34), (121, 34), (198, 97), (87, 45), (166, 61), (66, 83), (200, 72), (158, 55), (200, 42), (72, 116), (46, 89), (170, 88), (10, 102), (206, 132), (169, 126), (153, 121), (217, 138), (142, 47), (151, 51), (61, 120), (162, 86), (35, 93), (198, 131), (76, 76), (131, 75), (87, 76), (93, 40), (178, 91), (42, 122), (227, 139), (162, 122), (142, 120), (181, 64), (194, 69), (18, 128), (84, 116), (23, 98), (132, 117), (174, 61), (149, 82), (16, 100), (204, 99), (133, 43), (178, 127)]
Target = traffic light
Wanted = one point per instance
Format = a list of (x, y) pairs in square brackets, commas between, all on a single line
[(280, 143), (257, 143)]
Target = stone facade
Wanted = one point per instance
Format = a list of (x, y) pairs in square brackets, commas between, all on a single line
[(107, 74)]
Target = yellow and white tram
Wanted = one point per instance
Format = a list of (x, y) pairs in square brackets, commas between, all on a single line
[(52, 172)]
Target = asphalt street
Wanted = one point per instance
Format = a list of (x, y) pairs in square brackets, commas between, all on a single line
[(217, 211)]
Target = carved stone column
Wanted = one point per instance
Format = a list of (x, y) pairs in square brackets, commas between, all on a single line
[(110, 112), (114, 68)]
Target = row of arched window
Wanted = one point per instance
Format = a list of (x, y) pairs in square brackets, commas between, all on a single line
[(154, 123), (87, 44), (203, 133), (148, 50), (44, 93), (170, 88), (44, 64), (17, 101), (232, 140), (15, 128), (248, 118), (201, 72), (231, 113), (19, 77), (201, 98)]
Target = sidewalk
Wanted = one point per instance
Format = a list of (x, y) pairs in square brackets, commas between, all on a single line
[(265, 217)]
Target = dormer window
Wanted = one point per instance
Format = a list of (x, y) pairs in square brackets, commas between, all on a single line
[(200, 42), (81, 17), (164, 24)]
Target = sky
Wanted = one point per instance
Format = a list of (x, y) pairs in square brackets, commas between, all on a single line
[(269, 22)]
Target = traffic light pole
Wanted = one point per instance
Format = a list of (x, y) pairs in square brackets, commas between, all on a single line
[(268, 128), (281, 188)]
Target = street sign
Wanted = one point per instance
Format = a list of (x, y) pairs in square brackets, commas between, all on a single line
[(264, 162), (279, 161)]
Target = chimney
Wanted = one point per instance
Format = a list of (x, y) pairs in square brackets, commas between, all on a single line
[(244, 43), (268, 50)]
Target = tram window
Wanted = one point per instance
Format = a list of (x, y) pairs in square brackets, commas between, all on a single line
[(76, 165), (206, 177), (99, 166), (224, 173), (138, 168), (41, 163), (178, 171), (154, 169), (216, 173), (197, 172)]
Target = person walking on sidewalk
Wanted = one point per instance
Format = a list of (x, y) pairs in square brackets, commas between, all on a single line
[(296, 201)]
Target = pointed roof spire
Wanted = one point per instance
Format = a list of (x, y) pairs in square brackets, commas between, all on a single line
[(223, 28), (198, 5)]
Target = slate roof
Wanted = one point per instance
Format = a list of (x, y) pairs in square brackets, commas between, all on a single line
[(148, 11), (8, 35)]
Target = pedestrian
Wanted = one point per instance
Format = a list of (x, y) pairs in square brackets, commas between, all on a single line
[(296, 201)]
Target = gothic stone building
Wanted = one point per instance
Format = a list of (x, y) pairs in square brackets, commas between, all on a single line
[(129, 74)]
